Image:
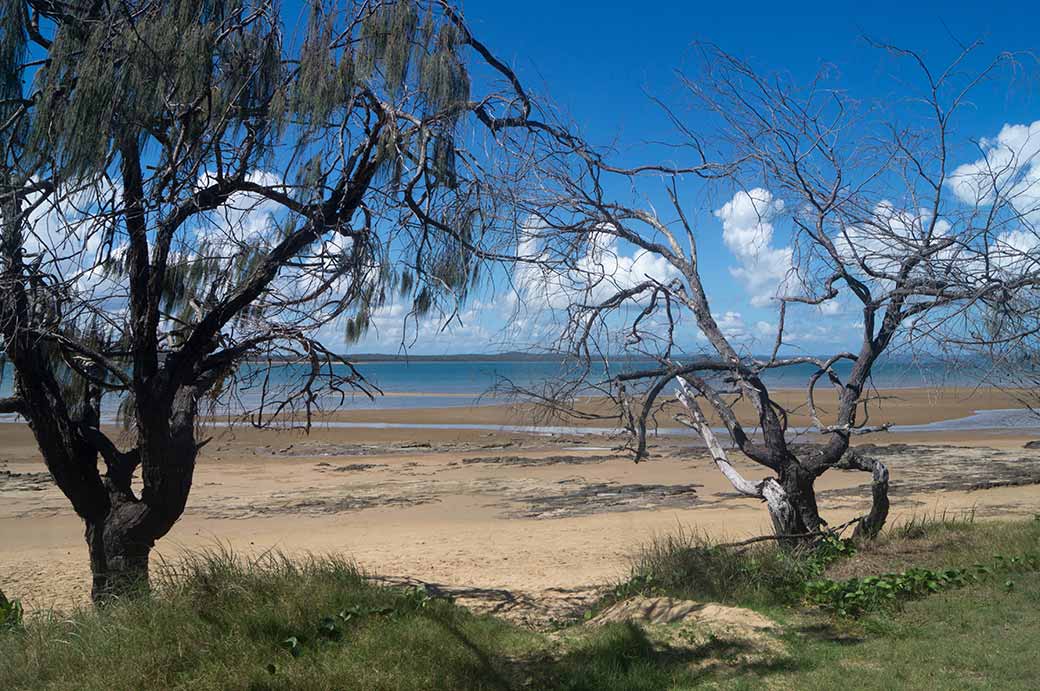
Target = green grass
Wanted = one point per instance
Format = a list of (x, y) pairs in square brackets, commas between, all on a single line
[(982, 637), (220, 622), (223, 623), (691, 566), (984, 634)]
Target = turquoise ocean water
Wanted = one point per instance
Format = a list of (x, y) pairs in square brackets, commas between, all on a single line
[(424, 383), (434, 384)]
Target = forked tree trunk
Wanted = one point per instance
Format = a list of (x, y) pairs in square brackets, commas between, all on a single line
[(799, 486), (119, 551), (792, 504), (122, 540), (791, 499)]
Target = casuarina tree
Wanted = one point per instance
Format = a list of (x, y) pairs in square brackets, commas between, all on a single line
[(189, 186)]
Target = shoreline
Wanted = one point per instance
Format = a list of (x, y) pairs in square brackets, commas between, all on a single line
[(906, 407), (1006, 420), (921, 413)]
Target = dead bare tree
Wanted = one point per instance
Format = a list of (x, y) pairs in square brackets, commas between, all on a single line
[(1002, 337), (185, 188), (1005, 350), (879, 216)]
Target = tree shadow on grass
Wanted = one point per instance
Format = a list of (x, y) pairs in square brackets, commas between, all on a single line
[(547, 607), (827, 633), (623, 656)]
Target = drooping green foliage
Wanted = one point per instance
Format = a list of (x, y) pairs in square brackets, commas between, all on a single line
[(205, 93), (321, 85), (442, 72), (387, 42), (12, 54), (110, 77), (182, 73)]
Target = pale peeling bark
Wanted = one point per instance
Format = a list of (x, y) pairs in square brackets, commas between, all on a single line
[(779, 505)]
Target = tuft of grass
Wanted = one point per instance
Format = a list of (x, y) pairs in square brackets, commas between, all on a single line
[(913, 558), (691, 566), (917, 526), (936, 541)]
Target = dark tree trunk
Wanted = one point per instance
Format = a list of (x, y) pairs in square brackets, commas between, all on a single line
[(119, 549), (871, 524), (799, 486), (121, 540)]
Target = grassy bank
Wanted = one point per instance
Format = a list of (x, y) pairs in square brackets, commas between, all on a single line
[(219, 622)]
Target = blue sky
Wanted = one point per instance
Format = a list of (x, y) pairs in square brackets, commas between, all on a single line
[(597, 62)]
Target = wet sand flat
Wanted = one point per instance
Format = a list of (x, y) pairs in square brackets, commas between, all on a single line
[(907, 406)]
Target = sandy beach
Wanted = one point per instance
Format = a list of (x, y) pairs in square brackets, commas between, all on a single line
[(516, 522)]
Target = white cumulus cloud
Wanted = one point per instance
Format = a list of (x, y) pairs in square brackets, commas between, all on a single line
[(747, 230), (893, 235), (1009, 170), (604, 270)]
